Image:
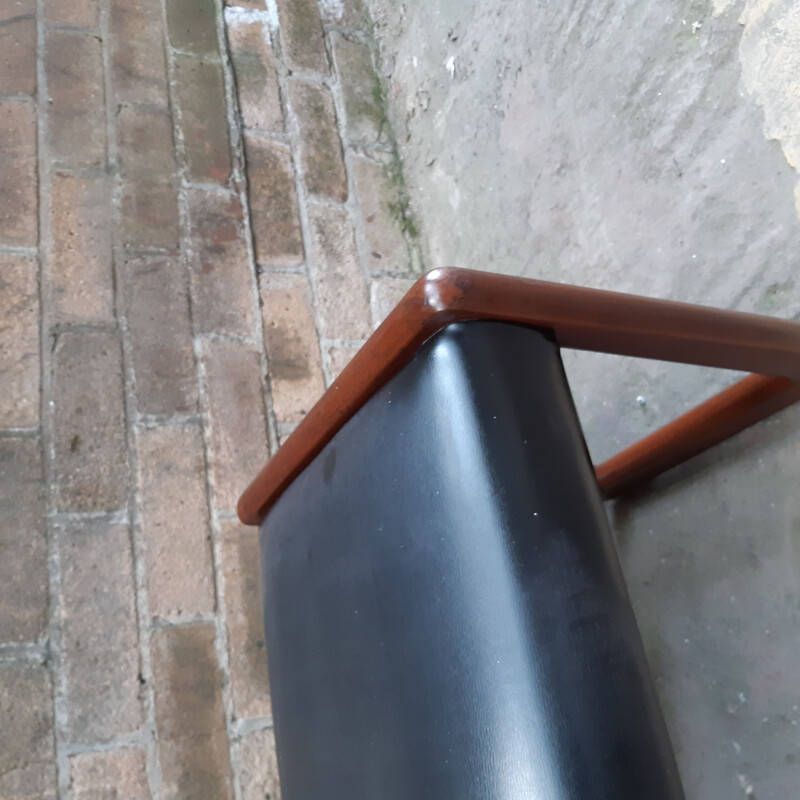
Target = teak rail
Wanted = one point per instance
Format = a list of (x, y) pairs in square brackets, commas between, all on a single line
[(583, 319)]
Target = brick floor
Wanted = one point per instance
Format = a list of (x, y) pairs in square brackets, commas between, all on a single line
[(200, 223)]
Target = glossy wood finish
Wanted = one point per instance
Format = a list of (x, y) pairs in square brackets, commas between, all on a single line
[(584, 319), (738, 407)]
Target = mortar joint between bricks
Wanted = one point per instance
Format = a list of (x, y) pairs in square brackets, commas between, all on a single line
[(25, 652), (20, 433), (81, 170), (138, 568), (212, 336), (315, 78), (147, 252), (145, 736), (328, 202), (266, 136), (239, 169), (247, 725), (46, 407), (60, 328), (136, 738), (240, 164), (25, 252), (208, 58), (141, 106), (78, 30), (18, 98), (281, 269), (120, 517), (214, 188), (159, 623), (150, 421)]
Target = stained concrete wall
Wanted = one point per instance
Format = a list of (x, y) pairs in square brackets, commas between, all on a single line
[(650, 148)]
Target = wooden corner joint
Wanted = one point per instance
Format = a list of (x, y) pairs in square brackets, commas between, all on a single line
[(580, 318)]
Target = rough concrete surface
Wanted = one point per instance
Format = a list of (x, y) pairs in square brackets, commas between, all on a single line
[(648, 148)]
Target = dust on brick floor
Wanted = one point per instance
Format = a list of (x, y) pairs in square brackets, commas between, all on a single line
[(200, 223)]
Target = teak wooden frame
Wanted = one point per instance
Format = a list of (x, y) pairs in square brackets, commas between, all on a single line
[(583, 319)]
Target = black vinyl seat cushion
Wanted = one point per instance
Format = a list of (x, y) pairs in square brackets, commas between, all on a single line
[(445, 613)]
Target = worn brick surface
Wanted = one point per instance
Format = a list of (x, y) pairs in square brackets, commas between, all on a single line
[(238, 439), (19, 341), (273, 203), (18, 183), (24, 599), (301, 35), (339, 287), (18, 47), (295, 365), (256, 78), (259, 766), (99, 640), (30, 781), (76, 129), (80, 253), (138, 65), (150, 214), (27, 752), (337, 357), (385, 294), (148, 179), (89, 459), (192, 739), (146, 147), (119, 774), (241, 564), (162, 350), (204, 119), (75, 13), (351, 14), (163, 136), (174, 523), (321, 149), (363, 104), (192, 26), (222, 291), (380, 201)]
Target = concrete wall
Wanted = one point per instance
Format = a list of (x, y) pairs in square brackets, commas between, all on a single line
[(650, 148)]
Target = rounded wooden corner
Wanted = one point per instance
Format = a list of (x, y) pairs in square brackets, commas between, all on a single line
[(585, 319)]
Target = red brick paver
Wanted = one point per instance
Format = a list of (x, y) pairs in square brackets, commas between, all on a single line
[(24, 596), (200, 222), (18, 185), (190, 719), (176, 535), (99, 650), (19, 340), (27, 751), (110, 774)]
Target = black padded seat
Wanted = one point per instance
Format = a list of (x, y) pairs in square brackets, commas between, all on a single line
[(445, 613)]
